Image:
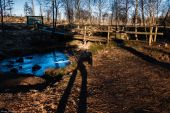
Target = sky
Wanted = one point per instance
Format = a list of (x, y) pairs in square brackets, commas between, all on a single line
[(19, 7)]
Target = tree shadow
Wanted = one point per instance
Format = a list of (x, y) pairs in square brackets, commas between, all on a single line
[(82, 104), (143, 56)]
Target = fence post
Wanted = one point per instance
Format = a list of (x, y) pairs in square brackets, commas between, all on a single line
[(84, 35), (108, 35), (116, 33), (150, 36), (156, 31)]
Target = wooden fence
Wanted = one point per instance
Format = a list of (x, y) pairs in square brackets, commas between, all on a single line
[(86, 32)]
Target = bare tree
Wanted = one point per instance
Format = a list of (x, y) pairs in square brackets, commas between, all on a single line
[(100, 5), (142, 4), (40, 2), (151, 12), (127, 7), (112, 7), (52, 8), (33, 9), (2, 15), (27, 9), (136, 18), (57, 5), (53, 12), (77, 8), (116, 2), (9, 6), (69, 11), (89, 2), (104, 16), (48, 9), (4, 7)]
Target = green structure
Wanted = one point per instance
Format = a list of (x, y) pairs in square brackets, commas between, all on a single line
[(34, 20)]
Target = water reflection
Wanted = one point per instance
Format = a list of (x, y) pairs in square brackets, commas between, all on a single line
[(45, 61)]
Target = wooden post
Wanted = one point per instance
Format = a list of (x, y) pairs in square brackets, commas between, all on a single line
[(116, 33), (156, 31), (108, 35), (150, 36), (84, 35)]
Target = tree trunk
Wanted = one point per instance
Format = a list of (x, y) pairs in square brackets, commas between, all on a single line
[(4, 8), (142, 12), (136, 19), (33, 11), (143, 16), (90, 11), (56, 12), (2, 16), (100, 15), (116, 6), (111, 19), (53, 14), (77, 6), (41, 13)]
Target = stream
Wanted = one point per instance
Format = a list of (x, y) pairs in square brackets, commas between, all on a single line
[(34, 64)]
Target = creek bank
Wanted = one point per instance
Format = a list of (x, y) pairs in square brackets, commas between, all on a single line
[(12, 81)]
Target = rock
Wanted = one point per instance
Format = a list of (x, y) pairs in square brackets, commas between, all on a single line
[(29, 57), (9, 65), (166, 45), (14, 70), (4, 110), (20, 60), (11, 62), (31, 81), (36, 67), (20, 67)]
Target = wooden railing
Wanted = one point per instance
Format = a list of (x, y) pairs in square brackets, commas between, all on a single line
[(85, 33)]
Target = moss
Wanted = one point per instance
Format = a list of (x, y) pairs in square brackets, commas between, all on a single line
[(54, 72), (96, 47)]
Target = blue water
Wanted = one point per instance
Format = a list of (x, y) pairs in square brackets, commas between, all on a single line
[(45, 61)]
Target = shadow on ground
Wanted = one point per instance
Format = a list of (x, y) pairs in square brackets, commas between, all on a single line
[(143, 56), (82, 104)]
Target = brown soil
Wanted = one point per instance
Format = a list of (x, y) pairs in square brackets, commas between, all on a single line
[(118, 82)]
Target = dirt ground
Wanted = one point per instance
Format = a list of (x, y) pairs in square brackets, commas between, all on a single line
[(158, 51), (118, 82)]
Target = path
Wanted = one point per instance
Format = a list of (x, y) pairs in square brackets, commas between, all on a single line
[(123, 83)]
